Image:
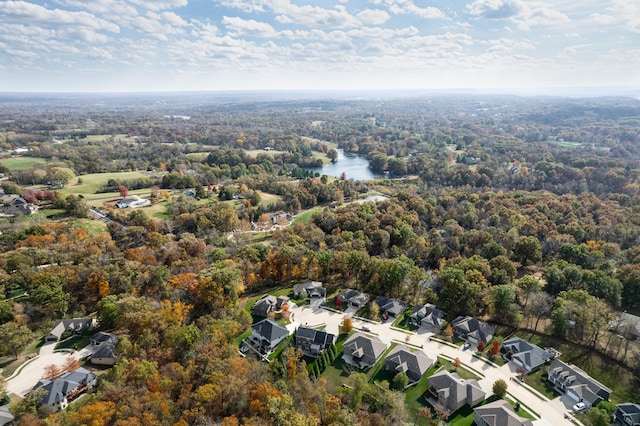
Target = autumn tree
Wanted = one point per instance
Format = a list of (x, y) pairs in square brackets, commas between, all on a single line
[(500, 388), (124, 191), (14, 338), (346, 326), (457, 363), (52, 372), (495, 348)]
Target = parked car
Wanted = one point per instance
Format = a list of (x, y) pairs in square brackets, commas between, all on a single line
[(580, 406)]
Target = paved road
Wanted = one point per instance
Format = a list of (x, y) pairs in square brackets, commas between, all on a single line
[(552, 412), (32, 371)]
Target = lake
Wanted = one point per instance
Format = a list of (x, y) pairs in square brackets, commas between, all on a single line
[(356, 167)]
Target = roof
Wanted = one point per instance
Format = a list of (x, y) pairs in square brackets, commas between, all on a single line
[(629, 412), (428, 313), (58, 389), (5, 416), (319, 337), (267, 303), (417, 362), (631, 322), (390, 305), (351, 295), (362, 345), (532, 356), (472, 327), (74, 324), (451, 386), (107, 349), (578, 381), (313, 289), (101, 337), (500, 413), (270, 330)]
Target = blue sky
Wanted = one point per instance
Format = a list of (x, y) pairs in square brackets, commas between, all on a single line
[(175, 45)]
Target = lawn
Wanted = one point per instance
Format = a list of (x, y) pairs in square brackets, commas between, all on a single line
[(618, 379), (539, 382), (21, 163), (91, 226), (403, 322), (306, 216), (92, 183), (75, 342)]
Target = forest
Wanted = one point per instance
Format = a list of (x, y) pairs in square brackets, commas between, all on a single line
[(522, 211)]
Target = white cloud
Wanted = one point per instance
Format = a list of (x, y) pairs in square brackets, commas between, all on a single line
[(496, 9), (247, 6), (373, 16), (238, 26), (27, 12), (524, 15), (507, 45), (409, 7), (160, 4)]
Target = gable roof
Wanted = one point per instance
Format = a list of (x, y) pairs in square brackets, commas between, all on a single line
[(58, 389), (362, 346), (319, 337), (270, 330), (404, 360), (428, 313), (530, 355), (268, 303), (452, 387), (354, 296), (500, 413), (74, 324), (578, 381), (107, 349), (313, 289), (472, 327), (628, 413), (5, 416), (393, 306)]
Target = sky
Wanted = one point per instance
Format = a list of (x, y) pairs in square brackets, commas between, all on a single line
[(208, 45)]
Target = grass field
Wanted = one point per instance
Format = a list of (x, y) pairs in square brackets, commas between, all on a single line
[(91, 226), (306, 216), (21, 163), (93, 182)]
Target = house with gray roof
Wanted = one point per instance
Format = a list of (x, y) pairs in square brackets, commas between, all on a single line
[(427, 315), (627, 415), (74, 325), (105, 352), (526, 355), (577, 384), (6, 418), (267, 334), (472, 330), (452, 392), (314, 290), (313, 342), (352, 297), (414, 364), (498, 413), (362, 351), (269, 303), (61, 391), (390, 307)]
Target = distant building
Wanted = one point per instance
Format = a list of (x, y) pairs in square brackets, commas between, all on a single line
[(362, 351), (498, 413), (313, 342), (74, 325), (61, 391), (132, 203), (472, 330), (414, 364), (314, 290), (627, 415), (577, 384)]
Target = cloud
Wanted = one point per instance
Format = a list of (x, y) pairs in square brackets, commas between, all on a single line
[(495, 9), (409, 7), (313, 16), (507, 45), (373, 16), (27, 12), (247, 6), (160, 4), (241, 27)]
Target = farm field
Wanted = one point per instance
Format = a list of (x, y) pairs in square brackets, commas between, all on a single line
[(93, 182), (21, 163)]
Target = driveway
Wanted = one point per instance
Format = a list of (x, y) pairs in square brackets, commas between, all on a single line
[(29, 373), (551, 413)]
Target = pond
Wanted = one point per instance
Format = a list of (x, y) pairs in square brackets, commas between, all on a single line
[(354, 166)]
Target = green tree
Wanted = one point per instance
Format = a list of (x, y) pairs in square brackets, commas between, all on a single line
[(3, 389), (400, 381), (14, 338), (500, 388), (332, 154), (527, 249), (459, 296), (60, 175), (597, 417)]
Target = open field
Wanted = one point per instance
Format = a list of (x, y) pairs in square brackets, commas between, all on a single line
[(91, 183), (306, 216), (97, 138), (21, 163)]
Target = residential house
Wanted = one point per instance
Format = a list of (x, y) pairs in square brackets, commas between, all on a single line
[(362, 351), (498, 413), (281, 217), (267, 334), (313, 342), (452, 392), (61, 391), (627, 325), (472, 330), (14, 204), (132, 203), (390, 307), (269, 303), (351, 297), (414, 364), (104, 345), (627, 415), (314, 290), (577, 384), (524, 354), (427, 315), (6, 418), (74, 325)]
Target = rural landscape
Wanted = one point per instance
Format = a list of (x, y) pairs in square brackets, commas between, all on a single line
[(310, 258)]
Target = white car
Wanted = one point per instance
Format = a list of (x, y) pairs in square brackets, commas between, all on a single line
[(580, 406)]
